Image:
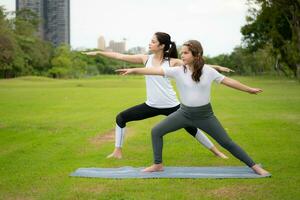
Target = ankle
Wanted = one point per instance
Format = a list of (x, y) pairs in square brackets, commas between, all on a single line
[(158, 165)]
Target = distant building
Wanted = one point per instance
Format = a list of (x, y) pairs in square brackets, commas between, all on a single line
[(101, 43), (36, 6), (55, 15), (58, 21), (137, 50), (119, 47)]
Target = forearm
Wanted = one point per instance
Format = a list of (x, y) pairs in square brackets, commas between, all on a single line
[(148, 71), (216, 67), (138, 59), (113, 55), (221, 69), (236, 85)]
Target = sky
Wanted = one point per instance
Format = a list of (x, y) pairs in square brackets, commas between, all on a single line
[(215, 23)]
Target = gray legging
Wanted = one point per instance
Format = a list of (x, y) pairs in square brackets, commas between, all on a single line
[(201, 117)]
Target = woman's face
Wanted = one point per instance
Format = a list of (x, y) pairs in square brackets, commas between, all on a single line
[(186, 55), (154, 45)]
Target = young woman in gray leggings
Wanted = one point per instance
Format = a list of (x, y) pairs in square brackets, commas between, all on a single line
[(193, 81)]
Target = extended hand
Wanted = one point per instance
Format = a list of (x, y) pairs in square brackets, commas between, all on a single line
[(124, 71), (255, 90)]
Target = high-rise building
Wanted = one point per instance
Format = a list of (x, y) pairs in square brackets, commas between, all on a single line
[(36, 6), (57, 21), (117, 46), (101, 43), (55, 15)]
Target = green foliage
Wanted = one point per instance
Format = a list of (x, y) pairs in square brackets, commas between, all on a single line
[(275, 23), (22, 51), (245, 62), (8, 47), (66, 64)]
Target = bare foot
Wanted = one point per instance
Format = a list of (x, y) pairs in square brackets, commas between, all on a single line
[(116, 154), (218, 153), (259, 170), (154, 168)]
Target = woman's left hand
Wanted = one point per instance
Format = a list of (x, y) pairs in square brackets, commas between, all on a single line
[(125, 71)]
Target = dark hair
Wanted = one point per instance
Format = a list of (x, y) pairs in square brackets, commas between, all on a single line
[(170, 50), (197, 51)]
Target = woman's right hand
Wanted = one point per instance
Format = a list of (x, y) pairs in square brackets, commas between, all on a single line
[(255, 90)]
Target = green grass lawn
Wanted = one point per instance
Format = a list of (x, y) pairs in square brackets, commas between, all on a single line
[(49, 128)]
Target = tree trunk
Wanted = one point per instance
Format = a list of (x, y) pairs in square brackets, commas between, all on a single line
[(281, 69), (276, 67)]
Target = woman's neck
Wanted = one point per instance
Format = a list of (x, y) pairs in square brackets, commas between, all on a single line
[(158, 55), (190, 67)]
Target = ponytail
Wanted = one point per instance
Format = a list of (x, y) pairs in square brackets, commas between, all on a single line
[(173, 51), (170, 50)]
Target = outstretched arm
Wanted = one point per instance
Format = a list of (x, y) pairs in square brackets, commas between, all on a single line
[(178, 62), (239, 86), (220, 68), (144, 71), (138, 58)]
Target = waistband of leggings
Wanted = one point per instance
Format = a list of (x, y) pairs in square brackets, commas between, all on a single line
[(203, 108)]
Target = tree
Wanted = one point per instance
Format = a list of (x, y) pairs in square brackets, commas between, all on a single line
[(275, 23), (10, 62), (36, 51), (67, 63)]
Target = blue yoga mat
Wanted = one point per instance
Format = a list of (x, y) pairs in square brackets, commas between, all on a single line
[(169, 172)]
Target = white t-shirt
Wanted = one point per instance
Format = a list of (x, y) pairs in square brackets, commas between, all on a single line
[(160, 92), (194, 93)]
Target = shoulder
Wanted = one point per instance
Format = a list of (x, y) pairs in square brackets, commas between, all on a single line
[(145, 57), (177, 68), (212, 73), (173, 71), (208, 69)]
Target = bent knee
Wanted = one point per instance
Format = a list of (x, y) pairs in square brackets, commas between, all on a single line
[(155, 130), (120, 120)]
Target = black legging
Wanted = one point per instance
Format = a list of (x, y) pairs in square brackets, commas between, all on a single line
[(143, 111)]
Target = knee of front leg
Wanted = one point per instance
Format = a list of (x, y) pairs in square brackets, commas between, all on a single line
[(120, 120), (155, 131)]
